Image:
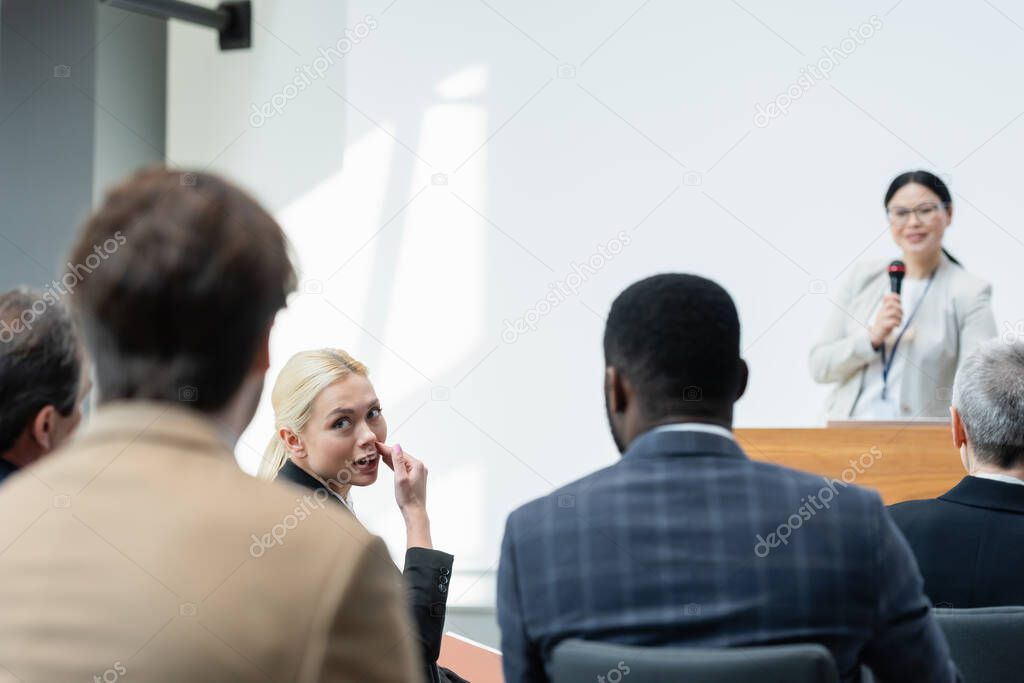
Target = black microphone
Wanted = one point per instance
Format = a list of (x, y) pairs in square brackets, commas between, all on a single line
[(897, 269)]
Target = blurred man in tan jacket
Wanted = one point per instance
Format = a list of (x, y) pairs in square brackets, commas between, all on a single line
[(140, 551)]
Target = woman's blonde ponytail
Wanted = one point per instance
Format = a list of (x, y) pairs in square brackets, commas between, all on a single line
[(301, 380)]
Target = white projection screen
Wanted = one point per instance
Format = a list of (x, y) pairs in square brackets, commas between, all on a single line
[(468, 184)]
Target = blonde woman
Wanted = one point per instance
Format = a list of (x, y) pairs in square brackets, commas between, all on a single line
[(329, 436)]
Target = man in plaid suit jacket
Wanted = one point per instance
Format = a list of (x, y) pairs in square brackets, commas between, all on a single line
[(688, 542)]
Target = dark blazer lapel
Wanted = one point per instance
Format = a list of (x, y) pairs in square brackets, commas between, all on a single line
[(987, 493), (296, 475)]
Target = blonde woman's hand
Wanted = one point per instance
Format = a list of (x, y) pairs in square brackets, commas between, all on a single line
[(410, 492)]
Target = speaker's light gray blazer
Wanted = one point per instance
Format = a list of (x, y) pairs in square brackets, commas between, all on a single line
[(954, 318)]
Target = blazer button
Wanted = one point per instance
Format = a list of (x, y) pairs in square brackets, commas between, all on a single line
[(443, 579), (444, 571), (443, 587)]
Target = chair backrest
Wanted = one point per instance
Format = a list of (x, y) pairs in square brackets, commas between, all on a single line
[(983, 641), (578, 661)]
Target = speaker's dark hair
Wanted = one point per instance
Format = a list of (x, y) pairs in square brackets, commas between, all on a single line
[(933, 183)]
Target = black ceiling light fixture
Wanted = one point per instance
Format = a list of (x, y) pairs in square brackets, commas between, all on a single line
[(232, 20)]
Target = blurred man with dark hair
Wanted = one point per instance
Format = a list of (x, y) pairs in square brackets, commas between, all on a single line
[(141, 549), (666, 547), (43, 378)]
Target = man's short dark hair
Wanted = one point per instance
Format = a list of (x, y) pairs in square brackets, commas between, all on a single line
[(194, 274), (40, 360), (676, 338)]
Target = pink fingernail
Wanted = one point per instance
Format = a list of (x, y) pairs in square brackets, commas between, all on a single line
[(398, 448)]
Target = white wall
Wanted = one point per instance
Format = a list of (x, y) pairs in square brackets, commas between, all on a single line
[(557, 128), (82, 103)]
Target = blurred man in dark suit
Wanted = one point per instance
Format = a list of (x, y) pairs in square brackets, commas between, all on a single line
[(968, 540), (43, 378), (686, 541)]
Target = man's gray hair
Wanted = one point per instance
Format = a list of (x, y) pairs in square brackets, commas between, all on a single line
[(989, 394), (40, 360)]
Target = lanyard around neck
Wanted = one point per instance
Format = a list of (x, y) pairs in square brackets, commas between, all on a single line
[(887, 362)]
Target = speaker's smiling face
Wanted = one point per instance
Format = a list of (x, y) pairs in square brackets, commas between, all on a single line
[(918, 220)]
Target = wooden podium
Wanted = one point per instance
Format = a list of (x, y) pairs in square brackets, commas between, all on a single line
[(909, 460), (473, 661)]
